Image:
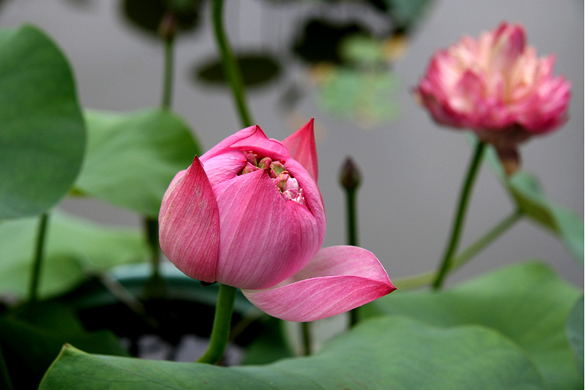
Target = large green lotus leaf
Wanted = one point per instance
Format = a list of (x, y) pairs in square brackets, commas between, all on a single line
[(575, 333), (270, 345), (132, 158), (32, 338), (74, 250), (42, 133), (529, 197), (384, 353), (526, 302)]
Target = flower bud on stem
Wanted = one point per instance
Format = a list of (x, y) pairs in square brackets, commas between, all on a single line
[(169, 26), (350, 180)]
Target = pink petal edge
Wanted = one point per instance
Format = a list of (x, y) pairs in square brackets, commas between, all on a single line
[(336, 280), (302, 147), (229, 141), (258, 142)]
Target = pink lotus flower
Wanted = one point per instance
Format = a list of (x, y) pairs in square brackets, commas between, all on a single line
[(249, 214), (497, 87)]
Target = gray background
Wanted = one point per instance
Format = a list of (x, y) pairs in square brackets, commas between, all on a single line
[(412, 169)]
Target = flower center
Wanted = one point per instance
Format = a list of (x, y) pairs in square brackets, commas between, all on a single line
[(287, 185)]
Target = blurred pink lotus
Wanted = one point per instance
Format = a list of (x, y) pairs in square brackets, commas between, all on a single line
[(249, 214), (497, 87)]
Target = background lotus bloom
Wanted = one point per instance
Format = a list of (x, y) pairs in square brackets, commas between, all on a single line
[(497, 87), (249, 214)]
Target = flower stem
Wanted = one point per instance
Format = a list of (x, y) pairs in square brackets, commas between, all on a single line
[(351, 217), (307, 339), (231, 68), (352, 240), (221, 325), (486, 239), (227, 294), (168, 73), (155, 286), (167, 32), (459, 216), (428, 277), (38, 259), (151, 231)]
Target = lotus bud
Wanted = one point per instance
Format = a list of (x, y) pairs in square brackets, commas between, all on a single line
[(221, 220)]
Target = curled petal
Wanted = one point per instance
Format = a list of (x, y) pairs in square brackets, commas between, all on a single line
[(302, 147), (189, 224), (224, 166), (264, 238), (228, 142), (258, 142), (336, 280)]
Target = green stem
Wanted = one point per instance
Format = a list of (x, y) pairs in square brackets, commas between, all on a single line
[(428, 277), (168, 73), (486, 239), (459, 216), (414, 281), (230, 66), (307, 340), (227, 295), (352, 240), (38, 259), (156, 284), (221, 325), (351, 217), (151, 230), (354, 317)]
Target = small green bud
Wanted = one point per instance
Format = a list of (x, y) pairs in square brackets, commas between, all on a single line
[(350, 176)]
